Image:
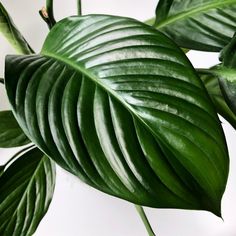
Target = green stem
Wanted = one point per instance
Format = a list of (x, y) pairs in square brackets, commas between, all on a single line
[(47, 14), (79, 7), (49, 7), (145, 220), (1, 81), (203, 71)]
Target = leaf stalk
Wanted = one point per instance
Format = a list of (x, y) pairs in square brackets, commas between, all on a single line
[(45, 16), (79, 7), (49, 7), (145, 220)]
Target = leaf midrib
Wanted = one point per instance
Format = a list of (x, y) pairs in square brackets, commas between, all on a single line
[(192, 11), (111, 92), (96, 81)]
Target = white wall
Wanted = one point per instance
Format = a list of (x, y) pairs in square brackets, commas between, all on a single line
[(79, 210)]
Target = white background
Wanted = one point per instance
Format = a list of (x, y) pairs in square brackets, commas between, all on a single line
[(80, 210)]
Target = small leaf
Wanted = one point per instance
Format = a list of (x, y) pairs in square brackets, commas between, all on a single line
[(201, 25), (119, 105), (211, 82), (26, 189), (226, 73), (162, 10), (11, 33), (11, 135), (228, 54), (227, 79)]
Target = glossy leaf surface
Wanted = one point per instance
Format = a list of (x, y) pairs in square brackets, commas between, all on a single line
[(206, 25), (118, 104), (11, 135), (26, 191), (11, 33)]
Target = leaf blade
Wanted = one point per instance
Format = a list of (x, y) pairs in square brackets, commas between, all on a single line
[(11, 135), (12, 34), (125, 67), (211, 81), (26, 190), (226, 75), (199, 25)]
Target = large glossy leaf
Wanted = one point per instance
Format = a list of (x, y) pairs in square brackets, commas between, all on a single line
[(118, 104), (212, 85), (26, 189), (206, 25), (11, 135), (11, 33)]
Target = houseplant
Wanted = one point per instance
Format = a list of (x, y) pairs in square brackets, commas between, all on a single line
[(177, 91)]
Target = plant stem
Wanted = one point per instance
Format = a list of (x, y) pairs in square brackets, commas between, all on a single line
[(47, 14), (203, 71), (79, 7), (145, 220), (1, 81), (49, 7)]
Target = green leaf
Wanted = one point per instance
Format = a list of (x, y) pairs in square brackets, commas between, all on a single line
[(226, 73), (12, 34), (206, 25), (2, 168), (26, 188), (212, 85), (14, 157), (227, 80), (11, 135), (228, 54), (163, 9), (118, 104)]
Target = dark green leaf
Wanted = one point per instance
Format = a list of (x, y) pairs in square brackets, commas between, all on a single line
[(2, 168), (162, 10), (227, 80), (212, 85), (14, 157), (228, 54), (11, 33), (11, 135), (206, 25), (118, 104), (26, 189), (226, 73)]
